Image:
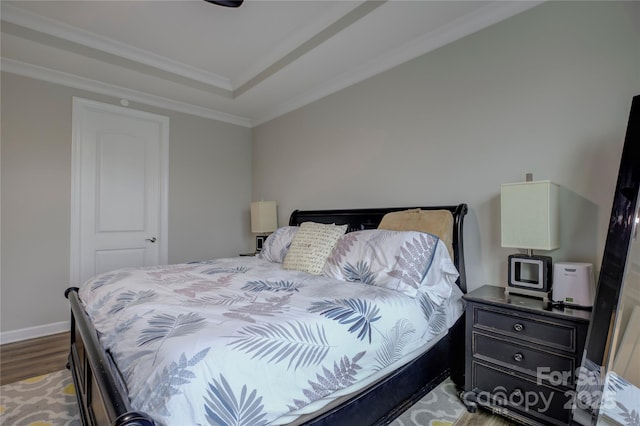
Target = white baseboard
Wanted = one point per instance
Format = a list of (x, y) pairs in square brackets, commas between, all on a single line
[(33, 332)]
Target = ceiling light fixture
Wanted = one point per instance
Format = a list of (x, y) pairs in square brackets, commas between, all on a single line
[(227, 3)]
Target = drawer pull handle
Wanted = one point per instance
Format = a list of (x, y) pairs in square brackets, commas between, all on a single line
[(518, 327), (517, 393), (518, 357)]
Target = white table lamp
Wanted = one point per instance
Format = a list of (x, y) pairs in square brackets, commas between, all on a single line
[(264, 220), (529, 220)]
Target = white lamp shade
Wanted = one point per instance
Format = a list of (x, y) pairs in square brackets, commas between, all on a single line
[(529, 215), (263, 217)]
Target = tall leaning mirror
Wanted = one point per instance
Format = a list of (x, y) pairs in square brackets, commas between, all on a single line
[(608, 390)]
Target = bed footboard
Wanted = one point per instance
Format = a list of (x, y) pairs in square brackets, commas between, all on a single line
[(102, 398)]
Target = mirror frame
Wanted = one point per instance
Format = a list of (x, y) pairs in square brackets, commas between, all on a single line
[(596, 358)]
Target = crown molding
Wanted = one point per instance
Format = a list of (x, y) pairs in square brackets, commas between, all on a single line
[(82, 37), (482, 18), (293, 43), (490, 14), (61, 30), (71, 80)]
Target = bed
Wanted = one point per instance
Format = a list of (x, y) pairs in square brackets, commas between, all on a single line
[(330, 384)]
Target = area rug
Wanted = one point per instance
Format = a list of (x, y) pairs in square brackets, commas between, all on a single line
[(47, 400), (50, 400), (440, 407)]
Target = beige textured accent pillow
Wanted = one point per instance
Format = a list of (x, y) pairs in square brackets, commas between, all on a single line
[(436, 222), (311, 246)]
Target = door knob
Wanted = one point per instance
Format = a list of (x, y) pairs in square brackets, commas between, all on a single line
[(151, 240)]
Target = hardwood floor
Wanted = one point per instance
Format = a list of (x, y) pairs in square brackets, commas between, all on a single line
[(34, 357)]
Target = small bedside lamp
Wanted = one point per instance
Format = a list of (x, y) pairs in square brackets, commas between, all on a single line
[(529, 220), (264, 220)]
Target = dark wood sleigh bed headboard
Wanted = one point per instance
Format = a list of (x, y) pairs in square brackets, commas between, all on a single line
[(359, 219)]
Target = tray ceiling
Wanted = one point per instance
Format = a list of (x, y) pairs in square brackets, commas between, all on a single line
[(243, 65)]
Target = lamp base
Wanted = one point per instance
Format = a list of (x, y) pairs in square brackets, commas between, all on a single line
[(544, 295), (530, 272), (260, 242)]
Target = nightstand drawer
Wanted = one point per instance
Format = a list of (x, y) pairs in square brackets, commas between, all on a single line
[(523, 358), (542, 332), (507, 390)]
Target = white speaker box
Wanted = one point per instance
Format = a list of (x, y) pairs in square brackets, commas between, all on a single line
[(573, 284)]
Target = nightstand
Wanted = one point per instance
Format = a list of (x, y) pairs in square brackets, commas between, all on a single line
[(522, 356)]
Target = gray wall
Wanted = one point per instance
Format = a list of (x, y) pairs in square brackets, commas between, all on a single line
[(546, 92), (209, 195)]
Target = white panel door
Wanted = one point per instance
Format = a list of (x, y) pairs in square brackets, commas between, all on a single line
[(119, 189)]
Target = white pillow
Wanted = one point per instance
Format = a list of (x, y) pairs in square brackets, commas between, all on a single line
[(405, 261), (276, 246), (311, 246)]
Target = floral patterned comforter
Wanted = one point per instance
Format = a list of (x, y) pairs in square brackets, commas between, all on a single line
[(243, 341)]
